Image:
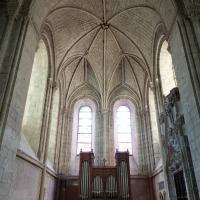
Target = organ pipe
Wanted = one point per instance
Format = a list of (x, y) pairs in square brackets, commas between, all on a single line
[(105, 182)]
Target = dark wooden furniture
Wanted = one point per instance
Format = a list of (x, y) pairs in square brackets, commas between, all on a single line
[(181, 191), (104, 182)]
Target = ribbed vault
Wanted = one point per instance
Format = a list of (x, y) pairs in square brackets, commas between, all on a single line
[(105, 43)]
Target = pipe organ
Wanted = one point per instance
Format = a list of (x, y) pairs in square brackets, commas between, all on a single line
[(86, 164), (104, 182)]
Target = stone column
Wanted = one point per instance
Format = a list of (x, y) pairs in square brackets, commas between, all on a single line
[(144, 141), (149, 141), (46, 119), (98, 136), (44, 143), (66, 127), (12, 37), (189, 27), (150, 133), (104, 143), (15, 20), (61, 113), (177, 150), (185, 48)]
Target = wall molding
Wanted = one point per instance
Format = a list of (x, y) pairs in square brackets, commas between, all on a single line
[(22, 155)]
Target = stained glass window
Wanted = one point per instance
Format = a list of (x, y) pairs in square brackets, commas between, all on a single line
[(123, 123), (84, 129)]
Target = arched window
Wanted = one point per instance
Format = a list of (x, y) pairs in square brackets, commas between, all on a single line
[(126, 131), (123, 122), (82, 131), (167, 75), (84, 141), (33, 113)]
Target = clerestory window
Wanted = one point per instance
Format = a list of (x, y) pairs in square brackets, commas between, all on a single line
[(123, 122), (84, 141)]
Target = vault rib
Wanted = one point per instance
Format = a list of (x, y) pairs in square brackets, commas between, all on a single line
[(81, 55), (134, 7), (104, 11), (115, 38), (85, 34), (96, 77), (93, 40), (73, 8), (76, 57), (134, 76), (104, 67), (71, 79), (116, 66), (130, 89), (137, 59), (120, 31)]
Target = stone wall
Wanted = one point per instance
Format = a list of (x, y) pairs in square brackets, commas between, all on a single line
[(50, 186), (187, 96), (11, 137), (27, 179)]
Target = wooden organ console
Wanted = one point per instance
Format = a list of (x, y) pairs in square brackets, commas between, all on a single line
[(104, 182)]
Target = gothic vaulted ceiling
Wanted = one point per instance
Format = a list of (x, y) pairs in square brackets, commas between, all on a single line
[(104, 42)]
